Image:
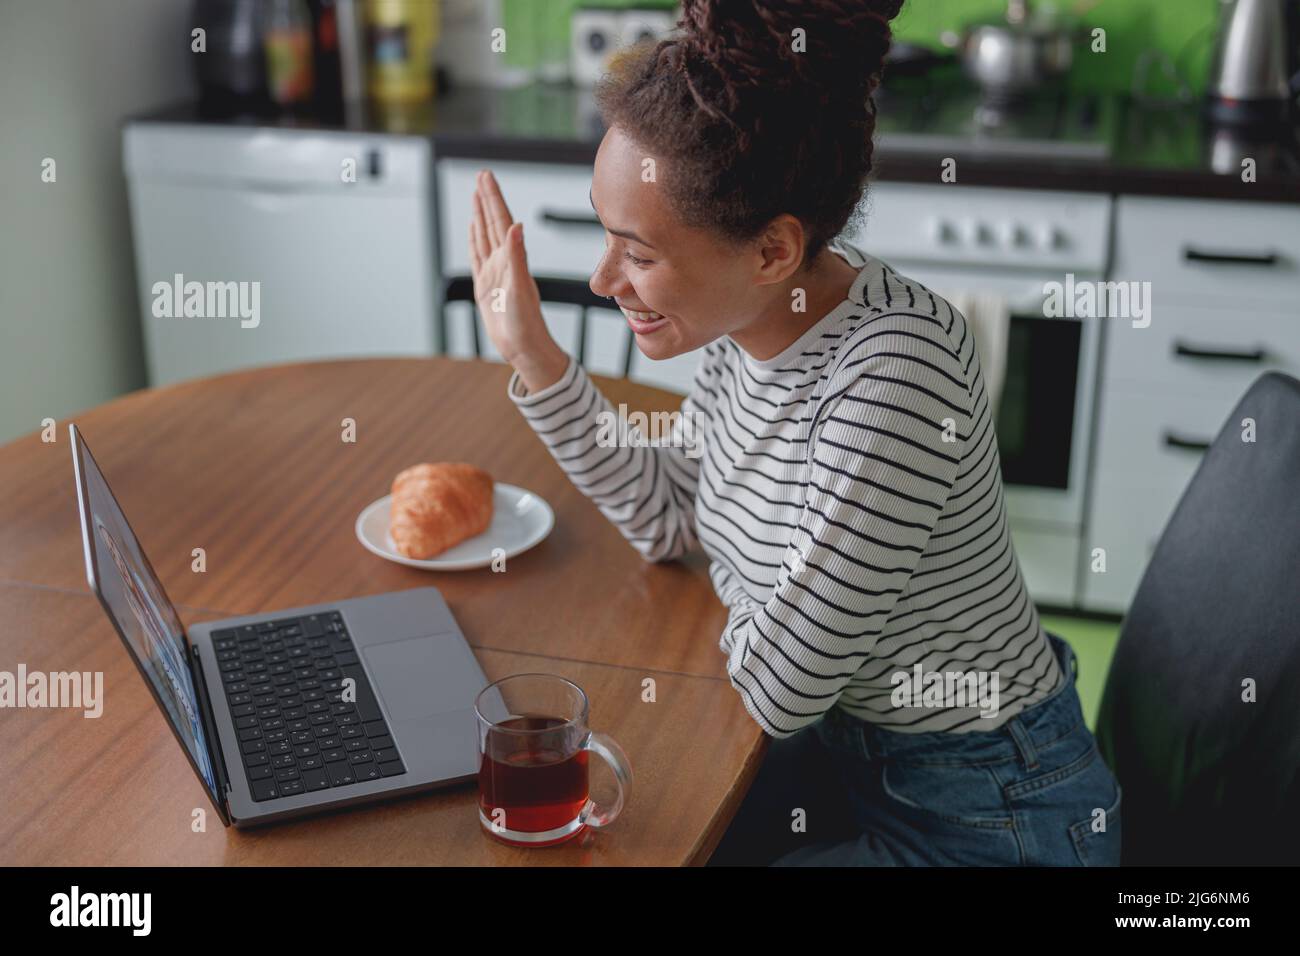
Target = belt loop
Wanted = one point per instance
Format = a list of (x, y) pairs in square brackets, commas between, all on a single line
[(1066, 652), (865, 742), (1020, 737)]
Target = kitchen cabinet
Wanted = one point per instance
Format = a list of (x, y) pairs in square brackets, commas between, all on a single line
[(1225, 308)]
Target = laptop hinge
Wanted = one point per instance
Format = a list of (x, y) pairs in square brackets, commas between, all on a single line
[(210, 730)]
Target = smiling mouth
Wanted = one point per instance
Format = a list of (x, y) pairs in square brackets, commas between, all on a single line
[(643, 321), (642, 316)]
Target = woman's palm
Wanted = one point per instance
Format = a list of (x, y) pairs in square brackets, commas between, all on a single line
[(504, 289)]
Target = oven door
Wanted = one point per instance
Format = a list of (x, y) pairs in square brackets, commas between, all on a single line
[(1038, 424), (1044, 418)]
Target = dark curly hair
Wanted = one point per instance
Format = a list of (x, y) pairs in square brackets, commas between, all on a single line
[(752, 122)]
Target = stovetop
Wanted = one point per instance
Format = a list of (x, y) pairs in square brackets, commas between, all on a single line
[(954, 118)]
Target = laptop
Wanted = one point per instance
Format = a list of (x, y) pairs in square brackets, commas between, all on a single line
[(291, 712)]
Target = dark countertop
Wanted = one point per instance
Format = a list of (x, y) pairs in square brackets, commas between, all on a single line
[(1135, 149)]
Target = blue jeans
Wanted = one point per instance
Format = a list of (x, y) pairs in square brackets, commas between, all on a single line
[(1034, 791)]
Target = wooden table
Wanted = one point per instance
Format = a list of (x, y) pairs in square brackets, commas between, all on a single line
[(251, 467)]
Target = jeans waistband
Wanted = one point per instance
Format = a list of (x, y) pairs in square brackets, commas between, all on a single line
[(1021, 736)]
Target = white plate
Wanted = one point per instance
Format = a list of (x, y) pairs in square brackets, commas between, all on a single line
[(520, 520)]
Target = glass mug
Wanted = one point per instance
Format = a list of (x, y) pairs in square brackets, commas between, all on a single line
[(533, 742)]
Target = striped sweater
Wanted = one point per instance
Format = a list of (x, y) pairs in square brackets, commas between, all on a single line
[(848, 494)]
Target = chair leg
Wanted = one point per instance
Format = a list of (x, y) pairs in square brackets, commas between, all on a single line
[(629, 351)]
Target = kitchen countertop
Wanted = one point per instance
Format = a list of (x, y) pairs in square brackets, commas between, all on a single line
[(1148, 150)]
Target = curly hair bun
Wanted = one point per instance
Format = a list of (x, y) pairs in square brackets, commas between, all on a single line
[(759, 107), (821, 49)]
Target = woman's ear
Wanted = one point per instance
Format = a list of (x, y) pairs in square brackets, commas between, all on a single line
[(781, 249)]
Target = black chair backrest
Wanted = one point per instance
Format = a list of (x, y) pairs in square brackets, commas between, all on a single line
[(1209, 777), (553, 290)]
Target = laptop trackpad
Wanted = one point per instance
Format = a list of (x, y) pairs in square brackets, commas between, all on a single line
[(419, 676)]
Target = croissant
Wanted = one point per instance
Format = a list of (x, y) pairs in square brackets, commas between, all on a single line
[(438, 505)]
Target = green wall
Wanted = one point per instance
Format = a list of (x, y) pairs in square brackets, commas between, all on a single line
[(1182, 29)]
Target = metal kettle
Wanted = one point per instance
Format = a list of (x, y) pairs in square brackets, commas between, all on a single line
[(1251, 74)]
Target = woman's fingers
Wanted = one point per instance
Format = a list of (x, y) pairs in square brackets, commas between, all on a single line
[(478, 250), (518, 255), (490, 231), (474, 258), (498, 212), (496, 243), (490, 239), (490, 206)]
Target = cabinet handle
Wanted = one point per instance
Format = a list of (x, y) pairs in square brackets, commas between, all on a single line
[(571, 218), (1176, 441), (1190, 351), (1232, 258)]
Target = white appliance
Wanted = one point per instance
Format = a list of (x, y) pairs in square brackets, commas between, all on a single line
[(466, 44), (329, 233), (596, 34), (1012, 243)]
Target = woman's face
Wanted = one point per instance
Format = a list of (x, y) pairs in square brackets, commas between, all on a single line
[(679, 287)]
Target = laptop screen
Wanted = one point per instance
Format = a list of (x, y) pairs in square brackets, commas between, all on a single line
[(134, 598)]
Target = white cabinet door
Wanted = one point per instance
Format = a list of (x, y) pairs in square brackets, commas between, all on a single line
[(342, 268), (1232, 254), (1148, 455), (1205, 348)]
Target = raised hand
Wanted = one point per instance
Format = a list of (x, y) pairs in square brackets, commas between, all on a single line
[(505, 291)]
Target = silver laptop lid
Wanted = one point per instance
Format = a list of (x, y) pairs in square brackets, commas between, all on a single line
[(145, 618)]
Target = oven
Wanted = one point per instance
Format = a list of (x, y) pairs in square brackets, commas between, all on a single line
[(1012, 245)]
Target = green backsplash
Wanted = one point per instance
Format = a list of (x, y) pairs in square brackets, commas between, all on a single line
[(1182, 29)]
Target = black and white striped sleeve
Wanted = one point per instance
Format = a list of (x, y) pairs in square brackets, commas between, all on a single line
[(647, 491), (883, 456)]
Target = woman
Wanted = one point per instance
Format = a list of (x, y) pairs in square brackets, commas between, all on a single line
[(847, 487)]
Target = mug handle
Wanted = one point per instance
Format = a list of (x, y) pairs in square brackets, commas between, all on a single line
[(594, 815)]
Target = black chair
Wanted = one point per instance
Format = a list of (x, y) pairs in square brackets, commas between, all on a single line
[(574, 292), (1208, 778)]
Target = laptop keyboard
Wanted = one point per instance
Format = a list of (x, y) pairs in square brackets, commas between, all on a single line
[(284, 684)]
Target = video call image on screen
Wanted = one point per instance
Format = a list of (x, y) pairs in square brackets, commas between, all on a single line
[(146, 617)]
